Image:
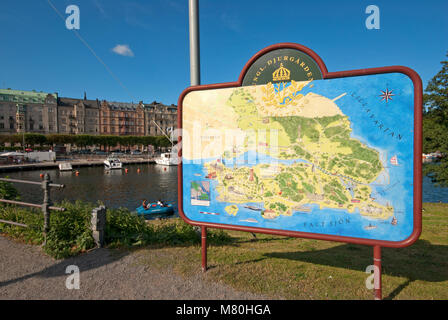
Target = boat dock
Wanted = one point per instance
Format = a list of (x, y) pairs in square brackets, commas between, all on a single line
[(74, 163)]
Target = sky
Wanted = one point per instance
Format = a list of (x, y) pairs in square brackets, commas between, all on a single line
[(133, 51)]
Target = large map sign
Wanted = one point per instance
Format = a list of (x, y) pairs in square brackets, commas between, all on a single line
[(336, 158)]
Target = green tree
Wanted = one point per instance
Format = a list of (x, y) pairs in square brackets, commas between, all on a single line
[(31, 139), (435, 124)]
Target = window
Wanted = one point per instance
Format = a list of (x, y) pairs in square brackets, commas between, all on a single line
[(2, 125)]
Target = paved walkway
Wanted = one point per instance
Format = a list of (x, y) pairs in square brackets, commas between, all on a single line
[(26, 273)]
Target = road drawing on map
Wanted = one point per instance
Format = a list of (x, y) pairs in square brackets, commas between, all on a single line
[(314, 152)]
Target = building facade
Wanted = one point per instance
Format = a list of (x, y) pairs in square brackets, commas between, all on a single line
[(27, 111), (78, 116), (46, 113), (160, 119), (123, 119)]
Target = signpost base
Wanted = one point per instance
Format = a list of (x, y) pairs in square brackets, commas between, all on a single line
[(204, 248), (377, 272)]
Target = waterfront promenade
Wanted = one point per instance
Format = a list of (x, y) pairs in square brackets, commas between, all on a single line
[(74, 162)]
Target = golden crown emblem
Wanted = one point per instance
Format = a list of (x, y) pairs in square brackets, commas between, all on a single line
[(281, 74)]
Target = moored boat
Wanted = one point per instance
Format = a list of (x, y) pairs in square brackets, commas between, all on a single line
[(112, 163), (65, 166), (165, 160), (155, 209)]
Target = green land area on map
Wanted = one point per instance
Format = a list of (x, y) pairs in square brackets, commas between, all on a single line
[(328, 167)]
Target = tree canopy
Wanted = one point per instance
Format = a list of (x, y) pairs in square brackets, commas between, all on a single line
[(435, 124), (84, 140)]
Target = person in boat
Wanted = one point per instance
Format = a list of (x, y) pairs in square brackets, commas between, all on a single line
[(144, 204), (161, 203)]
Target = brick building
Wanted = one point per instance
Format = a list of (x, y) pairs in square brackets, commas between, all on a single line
[(120, 118), (39, 112)]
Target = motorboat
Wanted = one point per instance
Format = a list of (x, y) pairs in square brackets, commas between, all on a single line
[(165, 160), (65, 166), (112, 163), (154, 209)]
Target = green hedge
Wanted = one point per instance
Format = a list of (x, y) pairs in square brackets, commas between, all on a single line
[(70, 232)]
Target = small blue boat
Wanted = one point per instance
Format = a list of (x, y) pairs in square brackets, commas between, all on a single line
[(155, 209)]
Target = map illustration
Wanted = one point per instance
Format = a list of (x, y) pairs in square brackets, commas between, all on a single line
[(323, 156), (200, 193)]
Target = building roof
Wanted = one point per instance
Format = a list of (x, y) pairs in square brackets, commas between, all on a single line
[(69, 102), (125, 106), (23, 96)]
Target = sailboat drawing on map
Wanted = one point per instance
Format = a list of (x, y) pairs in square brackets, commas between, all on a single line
[(394, 160)]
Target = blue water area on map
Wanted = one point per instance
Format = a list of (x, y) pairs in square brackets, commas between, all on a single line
[(369, 116)]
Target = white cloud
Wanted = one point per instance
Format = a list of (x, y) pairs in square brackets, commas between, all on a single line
[(123, 50)]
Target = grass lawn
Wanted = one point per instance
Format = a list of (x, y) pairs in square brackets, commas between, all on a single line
[(291, 268)]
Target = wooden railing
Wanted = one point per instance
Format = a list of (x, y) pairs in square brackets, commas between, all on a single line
[(46, 206)]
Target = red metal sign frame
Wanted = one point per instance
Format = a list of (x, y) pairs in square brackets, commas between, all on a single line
[(418, 104)]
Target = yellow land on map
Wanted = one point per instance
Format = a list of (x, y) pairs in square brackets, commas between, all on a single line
[(327, 166)]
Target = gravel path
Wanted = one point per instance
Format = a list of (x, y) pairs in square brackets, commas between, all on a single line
[(26, 273)]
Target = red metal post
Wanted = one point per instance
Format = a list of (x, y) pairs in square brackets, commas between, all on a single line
[(377, 272), (204, 248)]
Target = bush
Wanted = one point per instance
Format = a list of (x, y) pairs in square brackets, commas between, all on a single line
[(7, 191), (70, 231)]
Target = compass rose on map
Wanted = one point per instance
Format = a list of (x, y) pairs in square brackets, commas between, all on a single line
[(386, 95)]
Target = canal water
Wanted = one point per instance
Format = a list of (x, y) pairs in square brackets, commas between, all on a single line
[(120, 189), (115, 188)]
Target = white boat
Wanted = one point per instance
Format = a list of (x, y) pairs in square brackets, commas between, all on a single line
[(65, 166), (165, 160), (112, 163)]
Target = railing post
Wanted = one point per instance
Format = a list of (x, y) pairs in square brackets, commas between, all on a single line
[(45, 206), (204, 248), (98, 223)]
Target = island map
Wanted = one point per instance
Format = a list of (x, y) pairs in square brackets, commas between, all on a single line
[(321, 156)]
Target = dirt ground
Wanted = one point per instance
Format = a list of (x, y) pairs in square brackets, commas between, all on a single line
[(27, 273)]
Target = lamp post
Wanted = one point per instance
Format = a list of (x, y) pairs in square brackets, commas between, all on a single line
[(195, 77), (21, 123), (195, 80)]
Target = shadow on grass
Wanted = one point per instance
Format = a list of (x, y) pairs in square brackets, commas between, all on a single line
[(421, 261)]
